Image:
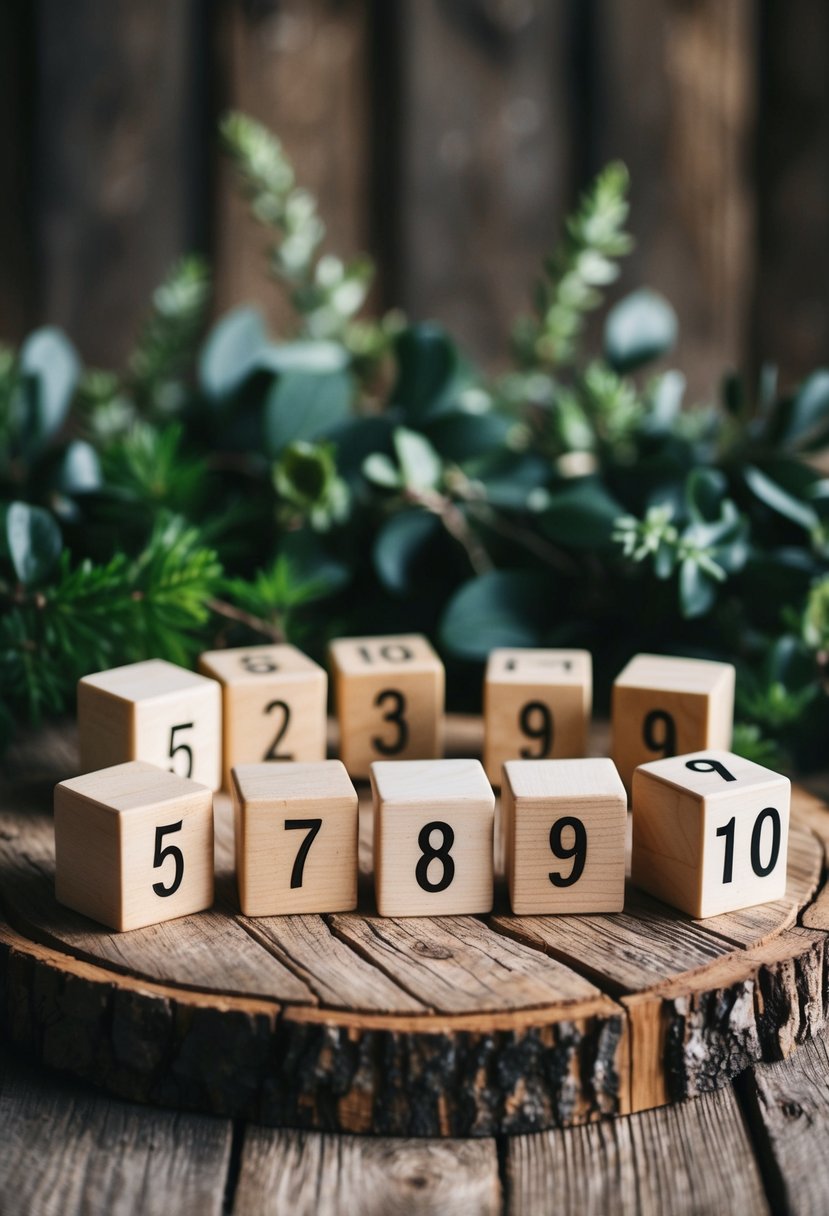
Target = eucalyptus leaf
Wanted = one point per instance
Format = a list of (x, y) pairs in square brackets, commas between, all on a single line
[(641, 327), (500, 608), (704, 492), (581, 516), (230, 352), (33, 542), (50, 370), (697, 591), (400, 542), (382, 471), (317, 357), (463, 437), (427, 363), (80, 469), (420, 465), (772, 495), (300, 405), (805, 423)]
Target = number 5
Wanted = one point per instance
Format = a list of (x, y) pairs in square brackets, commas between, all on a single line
[(175, 748), (160, 856)]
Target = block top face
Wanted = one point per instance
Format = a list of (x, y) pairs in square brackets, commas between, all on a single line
[(151, 680), (253, 664), (132, 786), (380, 655), (712, 774), (690, 676), (278, 784), (411, 783), (543, 667), (583, 779)]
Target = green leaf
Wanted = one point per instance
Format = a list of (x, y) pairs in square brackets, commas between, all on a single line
[(427, 364), (50, 369), (80, 469), (381, 470), (230, 351), (641, 327), (500, 608), (806, 421), (697, 592), (33, 540), (704, 491), (772, 495), (582, 515), (318, 357), (463, 437), (420, 464), (399, 543), (305, 406)]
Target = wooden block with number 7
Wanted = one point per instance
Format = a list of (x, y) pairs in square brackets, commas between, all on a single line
[(296, 838)]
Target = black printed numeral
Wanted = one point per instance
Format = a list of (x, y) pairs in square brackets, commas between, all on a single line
[(312, 827), (273, 752), (162, 852), (536, 722), (577, 851), (430, 854), (396, 716), (659, 732), (769, 814), (181, 749)]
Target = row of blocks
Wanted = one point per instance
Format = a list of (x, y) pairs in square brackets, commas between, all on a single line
[(134, 843), (269, 703)]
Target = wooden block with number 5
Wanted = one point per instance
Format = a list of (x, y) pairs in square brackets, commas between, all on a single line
[(274, 702), (433, 827), (296, 838), (710, 832), (536, 706), (133, 845), (564, 827), (389, 697), (665, 706), (153, 711)]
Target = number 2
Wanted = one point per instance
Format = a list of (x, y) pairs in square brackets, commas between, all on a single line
[(175, 748), (273, 752), (297, 825), (162, 853)]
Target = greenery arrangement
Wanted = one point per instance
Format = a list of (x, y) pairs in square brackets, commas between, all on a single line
[(361, 476)]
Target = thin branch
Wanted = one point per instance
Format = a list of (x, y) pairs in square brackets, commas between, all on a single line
[(257, 623)]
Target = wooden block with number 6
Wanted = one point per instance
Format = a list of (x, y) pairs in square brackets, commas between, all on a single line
[(433, 826), (133, 845), (564, 827), (153, 711), (665, 706), (389, 697), (536, 706), (296, 838), (274, 702), (710, 832)]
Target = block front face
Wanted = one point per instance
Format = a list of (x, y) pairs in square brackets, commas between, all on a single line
[(668, 707), (153, 711), (433, 846), (564, 823), (133, 845), (274, 702), (296, 838), (389, 695), (537, 706), (710, 832)]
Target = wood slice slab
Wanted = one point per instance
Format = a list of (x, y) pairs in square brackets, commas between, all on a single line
[(447, 1026)]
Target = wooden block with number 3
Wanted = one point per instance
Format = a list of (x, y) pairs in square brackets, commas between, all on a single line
[(133, 845), (665, 706), (710, 832), (389, 697), (153, 711), (564, 827), (433, 829), (274, 702), (296, 838)]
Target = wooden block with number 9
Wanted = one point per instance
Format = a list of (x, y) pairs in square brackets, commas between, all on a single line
[(133, 845), (153, 711), (274, 700), (433, 828), (296, 838), (710, 832)]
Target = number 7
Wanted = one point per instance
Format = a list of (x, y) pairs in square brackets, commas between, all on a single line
[(313, 826)]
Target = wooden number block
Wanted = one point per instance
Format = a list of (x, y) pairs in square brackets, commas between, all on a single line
[(710, 832), (564, 827), (433, 826), (274, 704), (666, 707), (296, 838), (133, 845), (389, 698), (536, 706), (153, 711)]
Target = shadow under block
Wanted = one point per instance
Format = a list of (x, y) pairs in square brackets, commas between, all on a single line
[(537, 706), (153, 711), (389, 694), (296, 828), (433, 837), (564, 827), (710, 832), (274, 704), (133, 845), (665, 706)]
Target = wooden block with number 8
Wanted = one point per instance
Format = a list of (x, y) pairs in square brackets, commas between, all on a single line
[(153, 711), (564, 827), (274, 703), (433, 827), (133, 845), (710, 832), (296, 838), (389, 697), (665, 706), (536, 706)]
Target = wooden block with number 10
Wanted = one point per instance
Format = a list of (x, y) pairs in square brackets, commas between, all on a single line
[(274, 700), (133, 845), (433, 829), (710, 832), (389, 697)]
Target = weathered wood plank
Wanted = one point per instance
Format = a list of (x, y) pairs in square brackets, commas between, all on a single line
[(308, 1174)]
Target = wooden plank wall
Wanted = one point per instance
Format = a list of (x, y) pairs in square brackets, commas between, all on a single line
[(448, 137)]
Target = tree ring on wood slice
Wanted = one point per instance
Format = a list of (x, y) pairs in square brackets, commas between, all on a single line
[(452, 1026)]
